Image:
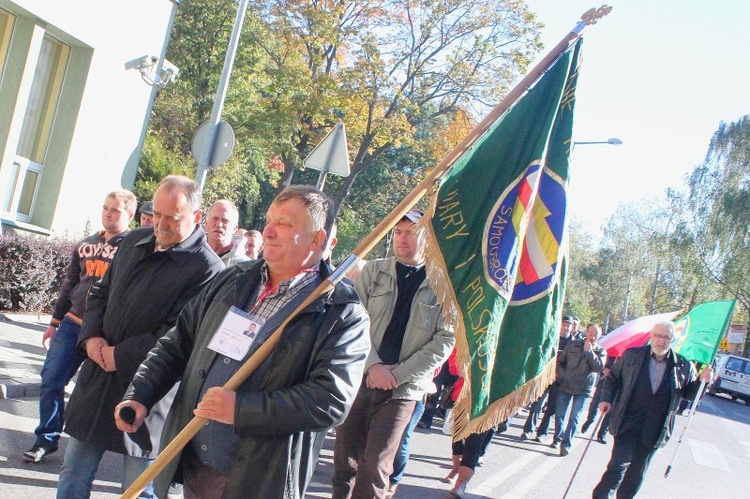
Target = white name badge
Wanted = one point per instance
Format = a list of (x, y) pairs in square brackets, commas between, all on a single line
[(236, 334)]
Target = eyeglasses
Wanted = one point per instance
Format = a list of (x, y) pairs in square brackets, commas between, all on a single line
[(662, 337)]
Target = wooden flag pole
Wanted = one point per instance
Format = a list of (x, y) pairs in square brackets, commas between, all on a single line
[(191, 429)]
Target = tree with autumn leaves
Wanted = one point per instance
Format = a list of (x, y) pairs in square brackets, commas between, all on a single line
[(407, 79)]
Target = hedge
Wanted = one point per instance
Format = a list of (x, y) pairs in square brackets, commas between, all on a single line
[(32, 270)]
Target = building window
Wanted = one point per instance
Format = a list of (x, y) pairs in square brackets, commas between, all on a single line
[(6, 28), (38, 119)]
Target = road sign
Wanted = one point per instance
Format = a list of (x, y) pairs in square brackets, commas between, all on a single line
[(223, 143), (331, 155)]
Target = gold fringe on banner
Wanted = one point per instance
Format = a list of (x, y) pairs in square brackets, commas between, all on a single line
[(501, 409)]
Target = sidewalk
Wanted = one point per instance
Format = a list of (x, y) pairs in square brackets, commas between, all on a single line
[(21, 354)]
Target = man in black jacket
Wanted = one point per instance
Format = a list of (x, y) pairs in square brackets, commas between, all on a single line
[(261, 440), (645, 385), (157, 270)]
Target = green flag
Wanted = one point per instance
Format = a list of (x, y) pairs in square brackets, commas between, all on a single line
[(496, 255), (701, 330)]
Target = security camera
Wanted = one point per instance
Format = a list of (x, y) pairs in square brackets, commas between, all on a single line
[(169, 70), (143, 62)]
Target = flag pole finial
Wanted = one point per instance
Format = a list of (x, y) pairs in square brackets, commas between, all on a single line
[(592, 15)]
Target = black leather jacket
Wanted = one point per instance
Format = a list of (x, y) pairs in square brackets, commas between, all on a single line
[(618, 387), (309, 385)]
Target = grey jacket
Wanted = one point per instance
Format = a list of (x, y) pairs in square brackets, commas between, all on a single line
[(427, 340), (577, 369)]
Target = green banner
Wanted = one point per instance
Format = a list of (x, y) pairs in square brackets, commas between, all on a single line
[(701, 330), (498, 249)]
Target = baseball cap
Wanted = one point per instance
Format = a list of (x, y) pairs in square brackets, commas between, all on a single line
[(147, 208), (567, 318), (414, 215)]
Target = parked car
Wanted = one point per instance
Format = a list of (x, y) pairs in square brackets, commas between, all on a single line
[(732, 376)]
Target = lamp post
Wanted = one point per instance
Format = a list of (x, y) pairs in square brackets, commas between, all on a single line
[(611, 142)]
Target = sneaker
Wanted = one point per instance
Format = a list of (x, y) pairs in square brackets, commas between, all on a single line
[(175, 491), (526, 436), (423, 425), (602, 439), (554, 444), (564, 451), (537, 439), (480, 462), (37, 453)]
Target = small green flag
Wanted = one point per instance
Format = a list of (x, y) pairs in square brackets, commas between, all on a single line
[(701, 330), (496, 255)]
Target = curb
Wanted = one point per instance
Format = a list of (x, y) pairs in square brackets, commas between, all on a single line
[(19, 389)]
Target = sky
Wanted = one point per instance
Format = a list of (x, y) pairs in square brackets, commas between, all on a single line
[(660, 75)]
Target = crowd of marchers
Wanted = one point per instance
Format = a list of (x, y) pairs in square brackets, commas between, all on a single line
[(161, 317)]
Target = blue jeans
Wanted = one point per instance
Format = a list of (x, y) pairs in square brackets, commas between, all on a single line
[(563, 401), (79, 469), (534, 409), (402, 454), (60, 365)]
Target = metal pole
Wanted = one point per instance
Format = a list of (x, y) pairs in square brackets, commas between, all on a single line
[(205, 157), (155, 88), (697, 399)]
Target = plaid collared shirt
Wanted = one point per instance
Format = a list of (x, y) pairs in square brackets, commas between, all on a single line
[(268, 301)]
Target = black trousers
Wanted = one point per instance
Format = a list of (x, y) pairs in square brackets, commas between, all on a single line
[(626, 468)]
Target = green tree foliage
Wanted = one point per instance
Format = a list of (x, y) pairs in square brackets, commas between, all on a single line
[(718, 229)]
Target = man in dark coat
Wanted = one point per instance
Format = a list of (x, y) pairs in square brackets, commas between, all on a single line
[(157, 270), (645, 386), (261, 440)]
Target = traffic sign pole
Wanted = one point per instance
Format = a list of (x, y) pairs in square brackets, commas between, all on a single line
[(205, 156)]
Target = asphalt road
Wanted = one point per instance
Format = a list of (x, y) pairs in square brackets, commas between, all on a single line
[(713, 461)]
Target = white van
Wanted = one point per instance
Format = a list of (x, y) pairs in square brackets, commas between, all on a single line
[(732, 376)]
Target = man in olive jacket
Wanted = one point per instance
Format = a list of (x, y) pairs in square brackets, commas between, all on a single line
[(157, 270), (259, 441), (645, 386), (410, 340)]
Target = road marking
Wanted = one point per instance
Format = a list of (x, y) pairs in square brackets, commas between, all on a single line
[(496, 479), (19, 423), (533, 478), (708, 455)]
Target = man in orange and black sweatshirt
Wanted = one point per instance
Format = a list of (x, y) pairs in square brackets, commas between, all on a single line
[(91, 258)]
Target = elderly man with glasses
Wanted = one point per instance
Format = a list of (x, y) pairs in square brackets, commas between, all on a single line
[(643, 390)]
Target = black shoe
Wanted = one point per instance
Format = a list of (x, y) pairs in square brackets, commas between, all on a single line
[(554, 444), (37, 453), (585, 427), (602, 440), (423, 425), (564, 451)]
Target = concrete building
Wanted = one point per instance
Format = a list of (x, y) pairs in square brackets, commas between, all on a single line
[(77, 83)]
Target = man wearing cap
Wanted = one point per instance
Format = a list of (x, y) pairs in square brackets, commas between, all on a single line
[(409, 341), (550, 395), (147, 214)]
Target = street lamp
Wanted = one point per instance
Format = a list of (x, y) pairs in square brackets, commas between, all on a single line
[(612, 142)]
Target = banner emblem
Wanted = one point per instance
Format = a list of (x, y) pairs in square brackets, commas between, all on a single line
[(522, 236)]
